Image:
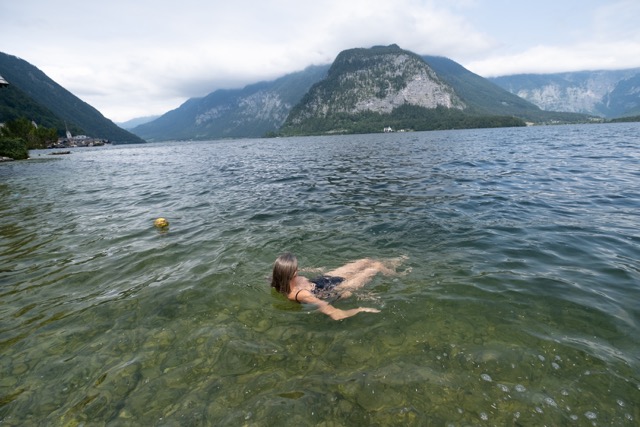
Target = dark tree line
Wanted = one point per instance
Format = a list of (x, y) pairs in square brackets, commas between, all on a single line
[(20, 135), (407, 117)]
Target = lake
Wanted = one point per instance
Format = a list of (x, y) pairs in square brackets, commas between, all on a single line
[(520, 305)]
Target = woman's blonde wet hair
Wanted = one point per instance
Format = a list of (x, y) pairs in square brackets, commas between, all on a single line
[(284, 269)]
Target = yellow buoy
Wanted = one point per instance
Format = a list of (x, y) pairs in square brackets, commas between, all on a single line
[(161, 223)]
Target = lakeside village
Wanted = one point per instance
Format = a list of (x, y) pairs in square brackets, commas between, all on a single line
[(389, 129), (70, 141)]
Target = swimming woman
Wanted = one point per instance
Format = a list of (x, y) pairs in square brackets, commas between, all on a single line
[(339, 283)]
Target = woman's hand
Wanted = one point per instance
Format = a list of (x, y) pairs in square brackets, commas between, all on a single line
[(368, 310), (337, 314)]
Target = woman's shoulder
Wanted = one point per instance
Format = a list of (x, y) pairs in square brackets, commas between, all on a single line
[(298, 295), (306, 296)]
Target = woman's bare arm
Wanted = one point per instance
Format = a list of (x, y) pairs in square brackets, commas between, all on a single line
[(335, 313)]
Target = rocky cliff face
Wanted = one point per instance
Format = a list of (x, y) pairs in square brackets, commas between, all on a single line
[(602, 93), (251, 111), (264, 105), (379, 80)]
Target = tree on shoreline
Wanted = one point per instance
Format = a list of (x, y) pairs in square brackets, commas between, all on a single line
[(13, 148), (23, 132), (33, 135)]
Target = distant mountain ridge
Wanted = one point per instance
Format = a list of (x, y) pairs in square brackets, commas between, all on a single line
[(249, 112), (608, 94), (480, 94), (32, 94), (383, 79), (366, 88), (440, 88), (130, 124)]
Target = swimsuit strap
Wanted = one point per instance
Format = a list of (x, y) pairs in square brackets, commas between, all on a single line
[(298, 293)]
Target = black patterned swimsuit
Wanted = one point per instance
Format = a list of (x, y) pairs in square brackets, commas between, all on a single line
[(324, 286)]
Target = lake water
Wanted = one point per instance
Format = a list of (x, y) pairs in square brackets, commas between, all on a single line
[(521, 306)]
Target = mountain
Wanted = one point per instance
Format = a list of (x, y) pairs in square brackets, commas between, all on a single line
[(357, 93), (57, 106), (606, 94), (377, 80), (624, 99), (386, 86), (485, 97), (234, 113), (364, 87), (130, 124), (15, 104)]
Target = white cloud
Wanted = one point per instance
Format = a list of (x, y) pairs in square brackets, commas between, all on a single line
[(143, 57), (140, 61), (554, 59)]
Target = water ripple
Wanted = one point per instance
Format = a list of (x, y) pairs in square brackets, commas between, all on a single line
[(523, 246)]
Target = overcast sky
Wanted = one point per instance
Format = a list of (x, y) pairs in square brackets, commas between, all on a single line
[(133, 58)]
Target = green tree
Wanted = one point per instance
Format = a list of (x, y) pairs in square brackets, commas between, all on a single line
[(14, 148), (33, 136)]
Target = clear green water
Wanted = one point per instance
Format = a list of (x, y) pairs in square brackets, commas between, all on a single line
[(521, 307)]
